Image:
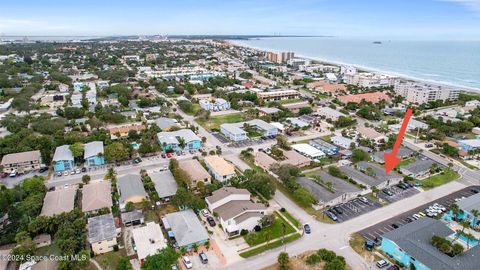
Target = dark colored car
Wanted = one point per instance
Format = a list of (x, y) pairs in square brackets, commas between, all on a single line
[(338, 210), (43, 169), (211, 222), (474, 190), (369, 245), (394, 225), (388, 192), (393, 267), (409, 219), (307, 229), (84, 169)]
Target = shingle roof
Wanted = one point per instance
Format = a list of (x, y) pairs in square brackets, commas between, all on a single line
[(171, 137), (379, 172), (131, 216), (415, 239), (101, 228), (359, 176), (232, 209), (194, 169), (220, 165), (92, 149), (166, 123), (63, 153), (470, 203), (96, 195), (321, 193), (419, 166), (186, 227), (21, 157), (165, 183), (221, 193), (130, 185), (59, 201)]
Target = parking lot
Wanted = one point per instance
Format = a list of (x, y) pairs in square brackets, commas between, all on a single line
[(398, 194), (354, 208), (213, 261), (376, 231)]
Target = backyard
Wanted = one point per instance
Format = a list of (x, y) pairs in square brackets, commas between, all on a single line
[(111, 260), (215, 121), (269, 233), (439, 179)]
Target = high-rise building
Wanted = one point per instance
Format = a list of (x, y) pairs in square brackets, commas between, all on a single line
[(421, 93), (280, 57)]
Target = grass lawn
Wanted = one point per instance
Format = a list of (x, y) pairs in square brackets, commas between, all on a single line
[(357, 243), (439, 179), (48, 250), (216, 121), (405, 162), (288, 101), (293, 220), (110, 260), (271, 245), (269, 233)]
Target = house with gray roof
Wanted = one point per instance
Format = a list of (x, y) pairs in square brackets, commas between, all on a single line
[(378, 172), (468, 205), (165, 184), (173, 140), (186, 228), (340, 192), (134, 217), (236, 131), (93, 154), (402, 153), (102, 233), (165, 124), (63, 159), (411, 245), (419, 168), (130, 187)]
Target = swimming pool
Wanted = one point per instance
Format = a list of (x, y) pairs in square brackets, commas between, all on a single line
[(463, 238)]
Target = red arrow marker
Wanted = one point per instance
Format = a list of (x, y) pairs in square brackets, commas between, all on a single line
[(391, 159)]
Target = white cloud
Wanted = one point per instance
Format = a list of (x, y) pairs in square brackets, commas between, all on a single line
[(473, 5)]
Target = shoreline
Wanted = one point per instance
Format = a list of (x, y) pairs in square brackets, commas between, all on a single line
[(364, 68)]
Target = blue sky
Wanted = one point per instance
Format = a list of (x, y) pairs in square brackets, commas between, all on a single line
[(394, 19)]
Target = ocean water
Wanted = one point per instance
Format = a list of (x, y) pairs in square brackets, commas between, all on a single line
[(448, 62)]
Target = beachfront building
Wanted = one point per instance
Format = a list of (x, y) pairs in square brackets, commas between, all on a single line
[(421, 93), (366, 79)]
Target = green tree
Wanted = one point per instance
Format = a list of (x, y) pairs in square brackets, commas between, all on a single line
[(86, 178), (116, 151), (304, 197), (360, 155), (283, 260), (163, 260), (77, 149)]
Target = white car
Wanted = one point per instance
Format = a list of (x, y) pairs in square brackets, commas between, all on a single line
[(78, 171), (65, 173), (187, 262), (439, 206), (205, 213)]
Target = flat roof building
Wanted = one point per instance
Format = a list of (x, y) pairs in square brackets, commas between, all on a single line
[(219, 168), (148, 240), (165, 184)]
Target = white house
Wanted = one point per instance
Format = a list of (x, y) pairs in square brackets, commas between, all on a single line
[(219, 104), (235, 210), (342, 141), (329, 113), (308, 150), (219, 168)]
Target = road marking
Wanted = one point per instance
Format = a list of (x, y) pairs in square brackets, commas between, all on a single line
[(344, 247)]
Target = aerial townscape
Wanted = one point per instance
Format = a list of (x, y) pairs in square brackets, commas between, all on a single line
[(197, 152)]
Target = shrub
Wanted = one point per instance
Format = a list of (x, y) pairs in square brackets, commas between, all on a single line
[(243, 232), (313, 259)]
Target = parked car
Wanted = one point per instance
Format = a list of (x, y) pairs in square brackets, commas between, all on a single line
[(387, 191), (84, 169), (421, 214), (78, 171), (203, 257), (169, 155), (416, 216), (363, 199), (395, 226), (186, 261), (369, 245), (409, 219), (211, 221), (331, 215), (393, 267), (473, 190), (205, 213), (338, 210), (174, 267), (382, 263), (163, 155), (307, 228), (72, 172), (43, 169), (65, 173), (58, 173), (13, 173)]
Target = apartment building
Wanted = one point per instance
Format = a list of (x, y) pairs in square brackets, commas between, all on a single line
[(278, 95), (219, 168), (423, 93), (365, 79), (22, 162), (280, 57)]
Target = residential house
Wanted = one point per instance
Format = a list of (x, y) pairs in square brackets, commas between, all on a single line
[(330, 113), (63, 159), (121, 131), (219, 168), (148, 240), (237, 131), (166, 124), (263, 111), (470, 144), (132, 218), (179, 139), (59, 201), (186, 229), (343, 142), (130, 188), (372, 134), (219, 104), (296, 106), (418, 169), (102, 233), (340, 191), (22, 162), (195, 171), (165, 184), (235, 210), (93, 154), (96, 195), (295, 122), (402, 153)]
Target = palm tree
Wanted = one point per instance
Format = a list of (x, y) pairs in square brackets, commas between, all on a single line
[(455, 210), (469, 237), (475, 213)]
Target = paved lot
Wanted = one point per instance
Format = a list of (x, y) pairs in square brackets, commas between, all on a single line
[(377, 230), (251, 142), (398, 194), (355, 208)]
